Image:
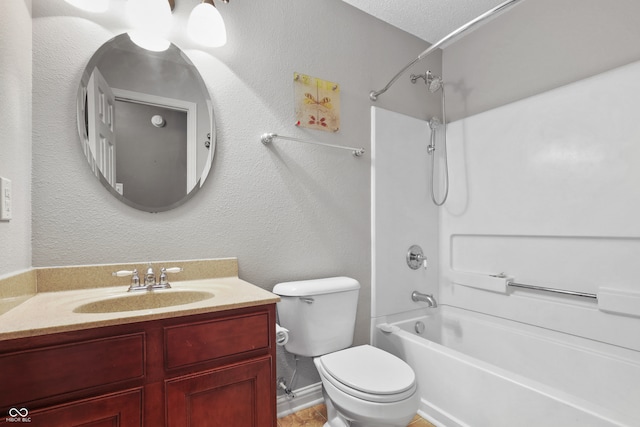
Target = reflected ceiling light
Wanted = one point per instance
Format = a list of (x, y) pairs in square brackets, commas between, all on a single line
[(90, 5), (206, 26), (150, 20)]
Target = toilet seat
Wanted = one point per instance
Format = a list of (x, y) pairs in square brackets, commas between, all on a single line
[(368, 373)]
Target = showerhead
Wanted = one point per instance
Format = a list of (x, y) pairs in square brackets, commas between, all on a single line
[(435, 84), (434, 123)]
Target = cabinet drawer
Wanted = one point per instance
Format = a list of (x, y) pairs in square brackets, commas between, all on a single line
[(114, 410), (31, 375), (206, 341)]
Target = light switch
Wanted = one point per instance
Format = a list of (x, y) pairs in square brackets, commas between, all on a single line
[(5, 199)]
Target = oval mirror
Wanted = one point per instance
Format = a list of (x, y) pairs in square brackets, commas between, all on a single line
[(146, 124)]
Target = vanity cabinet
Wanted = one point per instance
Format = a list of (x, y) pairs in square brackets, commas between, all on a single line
[(213, 369)]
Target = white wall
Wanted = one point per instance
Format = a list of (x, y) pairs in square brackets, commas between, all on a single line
[(289, 211), (545, 190), (15, 132)]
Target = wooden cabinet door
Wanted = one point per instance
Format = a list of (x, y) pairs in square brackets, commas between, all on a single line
[(114, 410), (239, 395)]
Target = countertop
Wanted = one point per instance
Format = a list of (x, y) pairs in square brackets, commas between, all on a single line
[(52, 312)]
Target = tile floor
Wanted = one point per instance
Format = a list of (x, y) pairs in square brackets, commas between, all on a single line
[(316, 416)]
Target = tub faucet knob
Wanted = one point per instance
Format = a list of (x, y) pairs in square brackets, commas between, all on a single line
[(416, 258)]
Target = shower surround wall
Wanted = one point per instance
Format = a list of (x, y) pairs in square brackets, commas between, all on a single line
[(545, 190), (402, 211)]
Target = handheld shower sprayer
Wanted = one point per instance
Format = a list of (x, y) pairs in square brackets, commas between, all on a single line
[(434, 84), (434, 124)]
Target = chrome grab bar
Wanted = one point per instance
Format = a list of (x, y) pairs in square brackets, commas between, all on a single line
[(554, 290)]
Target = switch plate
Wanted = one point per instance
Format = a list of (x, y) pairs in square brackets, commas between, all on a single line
[(5, 199)]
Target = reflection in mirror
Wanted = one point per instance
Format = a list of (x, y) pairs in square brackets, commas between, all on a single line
[(146, 124)]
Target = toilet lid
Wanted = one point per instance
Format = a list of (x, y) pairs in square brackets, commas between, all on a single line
[(370, 370)]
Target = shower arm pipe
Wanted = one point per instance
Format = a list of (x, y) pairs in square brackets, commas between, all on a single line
[(373, 95), (268, 138)]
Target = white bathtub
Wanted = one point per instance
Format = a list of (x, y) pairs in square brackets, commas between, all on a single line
[(475, 370)]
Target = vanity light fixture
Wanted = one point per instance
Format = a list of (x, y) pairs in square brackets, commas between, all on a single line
[(206, 26), (150, 20)]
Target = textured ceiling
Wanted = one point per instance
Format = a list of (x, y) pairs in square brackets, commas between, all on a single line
[(429, 20)]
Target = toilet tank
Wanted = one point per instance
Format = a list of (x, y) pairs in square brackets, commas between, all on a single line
[(319, 314)]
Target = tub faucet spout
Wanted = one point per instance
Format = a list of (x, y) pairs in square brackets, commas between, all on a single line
[(420, 297)]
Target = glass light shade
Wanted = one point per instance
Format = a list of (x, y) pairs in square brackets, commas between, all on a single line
[(149, 41), (150, 20), (90, 5), (206, 26)]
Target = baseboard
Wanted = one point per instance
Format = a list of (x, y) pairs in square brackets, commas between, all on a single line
[(437, 416), (305, 397)]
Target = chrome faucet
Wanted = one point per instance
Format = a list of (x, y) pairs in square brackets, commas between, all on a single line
[(420, 297), (150, 282), (149, 276)]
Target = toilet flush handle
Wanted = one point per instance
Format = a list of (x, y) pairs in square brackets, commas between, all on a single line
[(308, 300)]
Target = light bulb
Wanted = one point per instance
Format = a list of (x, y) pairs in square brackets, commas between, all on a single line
[(90, 5), (206, 26), (148, 41), (150, 20)]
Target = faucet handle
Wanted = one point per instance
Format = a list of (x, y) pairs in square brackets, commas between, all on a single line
[(135, 279), (163, 281), (124, 273), (416, 258)]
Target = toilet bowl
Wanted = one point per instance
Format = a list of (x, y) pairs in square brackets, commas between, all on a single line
[(365, 386), (362, 386)]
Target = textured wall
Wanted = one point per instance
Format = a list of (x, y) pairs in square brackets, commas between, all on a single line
[(536, 46), (15, 132), (289, 211)]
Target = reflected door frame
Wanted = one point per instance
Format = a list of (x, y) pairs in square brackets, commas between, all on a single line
[(175, 104)]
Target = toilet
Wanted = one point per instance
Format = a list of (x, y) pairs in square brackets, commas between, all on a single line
[(362, 385)]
